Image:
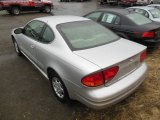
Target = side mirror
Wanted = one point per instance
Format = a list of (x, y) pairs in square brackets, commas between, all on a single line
[(18, 30)]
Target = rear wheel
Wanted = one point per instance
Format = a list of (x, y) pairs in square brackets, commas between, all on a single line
[(59, 88), (47, 9), (15, 10)]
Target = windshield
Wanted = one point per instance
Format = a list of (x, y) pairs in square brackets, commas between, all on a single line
[(155, 13), (138, 19), (85, 34)]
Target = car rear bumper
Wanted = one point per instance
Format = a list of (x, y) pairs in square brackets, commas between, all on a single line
[(152, 41), (106, 96)]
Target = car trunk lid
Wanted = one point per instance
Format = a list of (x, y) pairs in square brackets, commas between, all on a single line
[(122, 53)]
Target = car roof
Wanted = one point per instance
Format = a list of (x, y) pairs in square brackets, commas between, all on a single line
[(116, 10), (55, 20), (143, 7)]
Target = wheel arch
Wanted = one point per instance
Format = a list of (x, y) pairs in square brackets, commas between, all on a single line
[(13, 38), (15, 5), (47, 5), (51, 71)]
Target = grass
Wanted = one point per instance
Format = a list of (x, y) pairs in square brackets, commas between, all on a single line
[(144, 104)]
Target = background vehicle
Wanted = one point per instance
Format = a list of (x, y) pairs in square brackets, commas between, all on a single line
[(128, 24), (149, 12), (155, 6), (82, 59), (143, 2), (16, 6), (112, 2), (128, 2), (155, 1)]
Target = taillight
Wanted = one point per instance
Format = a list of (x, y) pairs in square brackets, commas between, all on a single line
[(110, 73), (99, 78), (149, 34), (93, 80), (143, 56)]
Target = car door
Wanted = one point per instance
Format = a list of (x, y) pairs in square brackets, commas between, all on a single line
[(37, 3), (111, 21), (43, 45), (27, 40)]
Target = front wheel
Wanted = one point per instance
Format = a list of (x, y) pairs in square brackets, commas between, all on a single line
[(59, 88), (17, 48), (15, 10), (47, 9)]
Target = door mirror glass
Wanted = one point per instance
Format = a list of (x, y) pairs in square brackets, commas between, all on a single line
[(18, 31)]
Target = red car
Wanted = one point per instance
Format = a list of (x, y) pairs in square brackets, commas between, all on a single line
[(128, 2), (16, 6)]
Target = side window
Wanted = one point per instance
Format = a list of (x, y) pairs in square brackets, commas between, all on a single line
[(146, 14), (94, 16), (47, 36), (111, 18), (142, 12), (33, 29)]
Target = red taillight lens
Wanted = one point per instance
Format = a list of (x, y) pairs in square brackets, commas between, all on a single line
[(148, 34), (143, 56), (99, 78), (110, 73), (93, 80)]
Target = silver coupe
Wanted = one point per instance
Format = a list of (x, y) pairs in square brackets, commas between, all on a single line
[(82, 60)]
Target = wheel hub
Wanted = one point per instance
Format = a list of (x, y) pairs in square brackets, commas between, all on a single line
[(58, 88)]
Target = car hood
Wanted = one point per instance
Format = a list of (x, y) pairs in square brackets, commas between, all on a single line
[(111, 53)]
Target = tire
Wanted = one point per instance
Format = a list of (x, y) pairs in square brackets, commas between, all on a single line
[(47, 9), (59, 88), (15, 10), (17, 48)]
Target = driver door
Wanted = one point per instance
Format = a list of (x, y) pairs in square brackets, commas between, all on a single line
[(27, 40)]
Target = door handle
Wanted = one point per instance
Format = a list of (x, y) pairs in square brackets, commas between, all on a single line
[(32, 46)]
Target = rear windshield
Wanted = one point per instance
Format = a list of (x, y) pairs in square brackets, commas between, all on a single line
[(155, 13), (138, 19), (85, 34)]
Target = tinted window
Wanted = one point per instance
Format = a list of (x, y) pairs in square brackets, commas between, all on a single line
[(33, 29), (85, 34), (48, 35), (143, 12), (138, 19), (155, 13), (110, 18), (94, 16)]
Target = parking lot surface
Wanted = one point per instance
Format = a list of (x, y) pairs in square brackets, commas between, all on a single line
[(26, 95)]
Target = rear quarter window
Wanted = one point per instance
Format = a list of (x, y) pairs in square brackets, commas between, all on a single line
[(138, 19)]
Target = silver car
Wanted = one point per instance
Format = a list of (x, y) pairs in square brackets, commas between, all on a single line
[(147, 11), (82, 60)]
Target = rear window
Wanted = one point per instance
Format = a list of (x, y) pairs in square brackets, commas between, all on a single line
[(85, 34), (138, 19), (155, 13)]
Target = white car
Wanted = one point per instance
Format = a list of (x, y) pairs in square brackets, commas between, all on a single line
[(149, 12), (155, 5), (143, 2), (155, 1)]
